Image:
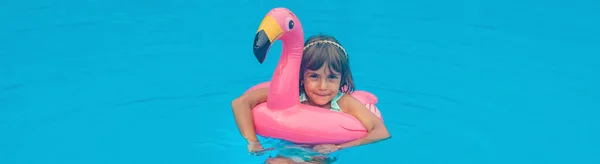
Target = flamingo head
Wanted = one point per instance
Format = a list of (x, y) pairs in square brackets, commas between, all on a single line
[(278, 24)]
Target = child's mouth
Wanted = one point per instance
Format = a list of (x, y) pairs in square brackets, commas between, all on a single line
[(322, 95)]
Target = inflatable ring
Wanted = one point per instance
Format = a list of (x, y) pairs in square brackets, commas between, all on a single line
[(282, 116)]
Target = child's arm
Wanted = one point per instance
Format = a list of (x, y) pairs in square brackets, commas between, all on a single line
[(242, 112), (375, 127)]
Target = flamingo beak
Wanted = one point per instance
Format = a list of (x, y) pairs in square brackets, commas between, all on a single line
[(268, 32)]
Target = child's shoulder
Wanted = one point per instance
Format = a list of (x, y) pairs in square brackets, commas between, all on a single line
[(346, 96), (348, 102)]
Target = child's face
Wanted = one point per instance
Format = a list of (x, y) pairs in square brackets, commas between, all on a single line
[(321, 85)]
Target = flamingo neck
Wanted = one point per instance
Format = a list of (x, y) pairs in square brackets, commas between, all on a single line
[(283, 91)]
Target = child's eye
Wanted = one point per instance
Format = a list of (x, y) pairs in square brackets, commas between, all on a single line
[(313, 76), (332, 77)]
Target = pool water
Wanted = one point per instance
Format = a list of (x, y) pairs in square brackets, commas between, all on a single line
[(151, 81)]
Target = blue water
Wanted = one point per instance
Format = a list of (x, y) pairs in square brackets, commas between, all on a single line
[(90, 81)]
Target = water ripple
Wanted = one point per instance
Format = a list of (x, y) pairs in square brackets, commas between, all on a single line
[(12, 87), (401, 124), (258, 79), (78, 24), (31, 126), (154, 99), (418, 106), (430, 19), (186, 107), (394, 126), (418, 93), (484, 27)]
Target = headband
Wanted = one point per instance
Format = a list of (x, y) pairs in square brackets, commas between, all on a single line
[(326, 41)]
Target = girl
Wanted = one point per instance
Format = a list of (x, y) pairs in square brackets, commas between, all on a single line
[(325, 81)]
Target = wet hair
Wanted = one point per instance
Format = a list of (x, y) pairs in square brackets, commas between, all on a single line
[(321, 49)]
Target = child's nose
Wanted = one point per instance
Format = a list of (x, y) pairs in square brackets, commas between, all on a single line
[(323, 85)]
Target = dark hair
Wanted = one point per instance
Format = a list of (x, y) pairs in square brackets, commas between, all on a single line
[(318, 54)]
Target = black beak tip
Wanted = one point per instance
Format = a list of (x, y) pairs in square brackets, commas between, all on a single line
[(260, 54), (260, 58), (261, 46)]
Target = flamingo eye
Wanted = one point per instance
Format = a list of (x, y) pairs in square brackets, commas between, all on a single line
[(290, 23)]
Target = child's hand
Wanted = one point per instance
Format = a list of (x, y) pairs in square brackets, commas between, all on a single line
[(326, 148), (255, 148)]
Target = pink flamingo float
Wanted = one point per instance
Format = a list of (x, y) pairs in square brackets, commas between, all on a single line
[(282, 116)]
